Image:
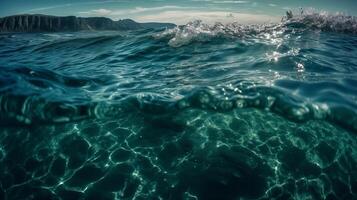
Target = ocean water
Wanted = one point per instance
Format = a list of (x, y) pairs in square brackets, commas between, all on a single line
[(195, 112)]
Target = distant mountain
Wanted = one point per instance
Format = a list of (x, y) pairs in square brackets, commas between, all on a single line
[(47, 23)]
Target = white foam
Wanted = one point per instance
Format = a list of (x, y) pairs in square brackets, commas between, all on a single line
[(197, 31)]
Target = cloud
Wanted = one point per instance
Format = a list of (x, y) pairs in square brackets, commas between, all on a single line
[(136, 10), (229, 2), (182, 17), (49, 7), (142, 9), (272, 5), (222, 2), (102, 11), (72, 4)]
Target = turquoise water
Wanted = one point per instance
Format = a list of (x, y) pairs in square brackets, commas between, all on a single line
[(196, 112)]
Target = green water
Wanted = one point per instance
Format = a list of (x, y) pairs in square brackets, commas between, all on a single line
[(196, 112)]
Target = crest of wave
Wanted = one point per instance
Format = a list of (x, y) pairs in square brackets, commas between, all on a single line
[(197, 31), (321, 20), (309, 19)]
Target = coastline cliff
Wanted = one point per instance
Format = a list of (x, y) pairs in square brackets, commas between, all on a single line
[(47, 23)]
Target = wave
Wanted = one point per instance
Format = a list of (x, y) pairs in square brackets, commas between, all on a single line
[(197, 31), (323, 21), (34, 110), (137, 72), (82, 42)]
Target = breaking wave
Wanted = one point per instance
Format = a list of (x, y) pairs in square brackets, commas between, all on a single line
[(305, 20)]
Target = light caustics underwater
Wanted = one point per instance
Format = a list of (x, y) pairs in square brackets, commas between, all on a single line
[(222, 111)]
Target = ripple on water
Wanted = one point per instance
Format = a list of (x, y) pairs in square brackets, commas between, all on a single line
[(241, 153), (196, 112)]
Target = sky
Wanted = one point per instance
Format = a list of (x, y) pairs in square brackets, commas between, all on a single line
[(176, 11)]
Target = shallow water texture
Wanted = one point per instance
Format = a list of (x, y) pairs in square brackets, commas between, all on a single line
[(196, 112)]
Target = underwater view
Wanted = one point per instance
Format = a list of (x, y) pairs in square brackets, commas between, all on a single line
[(195, 111)]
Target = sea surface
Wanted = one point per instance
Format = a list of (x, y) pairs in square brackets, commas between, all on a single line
[(222, 111)]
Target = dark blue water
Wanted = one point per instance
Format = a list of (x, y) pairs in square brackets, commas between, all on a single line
[(196, 112)]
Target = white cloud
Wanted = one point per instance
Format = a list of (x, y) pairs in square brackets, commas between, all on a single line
[(221, 2), (102, 11), (182, 17), (272, 5), (72, 4), (49, 7), (142, 9), (125, 12)]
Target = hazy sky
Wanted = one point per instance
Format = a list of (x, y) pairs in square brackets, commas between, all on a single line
[(177, 11)]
